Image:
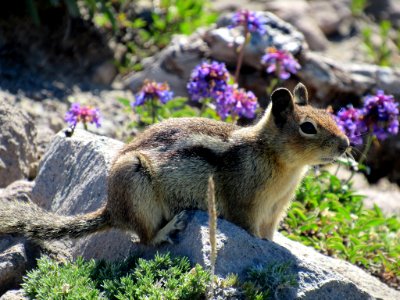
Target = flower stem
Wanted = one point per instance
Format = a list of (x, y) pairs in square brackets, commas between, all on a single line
[(153, 111), (367, 148), (85, 126), (363, 154), (247, 36), (273, 84)]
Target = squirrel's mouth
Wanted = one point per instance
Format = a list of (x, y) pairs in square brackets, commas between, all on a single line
[(327, 160)]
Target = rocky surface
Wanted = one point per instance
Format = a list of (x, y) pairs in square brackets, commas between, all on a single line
[(14, 295), (17, 144), (77, 184), (85, 191), (18, 190), (48, 114), (13, 263)]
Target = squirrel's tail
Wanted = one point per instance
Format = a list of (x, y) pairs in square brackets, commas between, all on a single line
[(18, 218)]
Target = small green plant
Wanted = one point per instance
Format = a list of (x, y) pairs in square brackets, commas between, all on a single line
[(329, 216), (379, 53), (357, 7), (162, 277), (266, 282), (51, 280)]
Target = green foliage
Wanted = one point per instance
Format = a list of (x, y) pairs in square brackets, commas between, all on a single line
[(330, 217), (182, 16), (160, 278), (357, 7), (380, 53), (164, 278), (149, 36), (51, 280), (266, 282)]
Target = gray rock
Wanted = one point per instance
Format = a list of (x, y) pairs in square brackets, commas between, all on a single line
[(14, 295), (332, 17), (72, 179), (56, 187), (223, 41), (13, 262), (18, 190), (17, 144), (329, 78), (299, 14)]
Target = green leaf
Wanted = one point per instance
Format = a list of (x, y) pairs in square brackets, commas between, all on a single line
[(125, 102)]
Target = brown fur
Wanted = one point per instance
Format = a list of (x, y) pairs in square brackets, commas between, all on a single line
[(256, 170)]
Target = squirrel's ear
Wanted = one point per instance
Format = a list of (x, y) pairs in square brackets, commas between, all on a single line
[(282, 105), (300, 94)]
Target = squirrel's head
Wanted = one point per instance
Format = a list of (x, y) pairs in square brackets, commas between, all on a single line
[(303, 133)]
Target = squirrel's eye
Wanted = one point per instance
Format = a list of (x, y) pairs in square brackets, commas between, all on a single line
[(308, 128)]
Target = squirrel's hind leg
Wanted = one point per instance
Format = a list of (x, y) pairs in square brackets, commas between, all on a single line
[(177, 223)]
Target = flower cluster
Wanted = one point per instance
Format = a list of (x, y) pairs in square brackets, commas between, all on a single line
[(84, 114), (349, 121), (280, 62), (244, 104), (152, 90), (250, 20), (210, 80), (379, 117)]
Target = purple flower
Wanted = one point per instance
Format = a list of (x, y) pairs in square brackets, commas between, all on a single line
[(208, 80), (280, 62), (236, 102), (251, 20), (381, 115), (152, 90), (84, 114), (349, 121)]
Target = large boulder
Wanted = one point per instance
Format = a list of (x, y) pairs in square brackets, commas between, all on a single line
[(17, 144), (72, 180)]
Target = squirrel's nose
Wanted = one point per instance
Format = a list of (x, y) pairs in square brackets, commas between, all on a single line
[(344, 144)]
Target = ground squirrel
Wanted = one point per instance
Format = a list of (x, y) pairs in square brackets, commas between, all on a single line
[(165, 171)]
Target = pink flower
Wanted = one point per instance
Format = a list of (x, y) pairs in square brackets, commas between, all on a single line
[(84, 114), (280, 62)]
